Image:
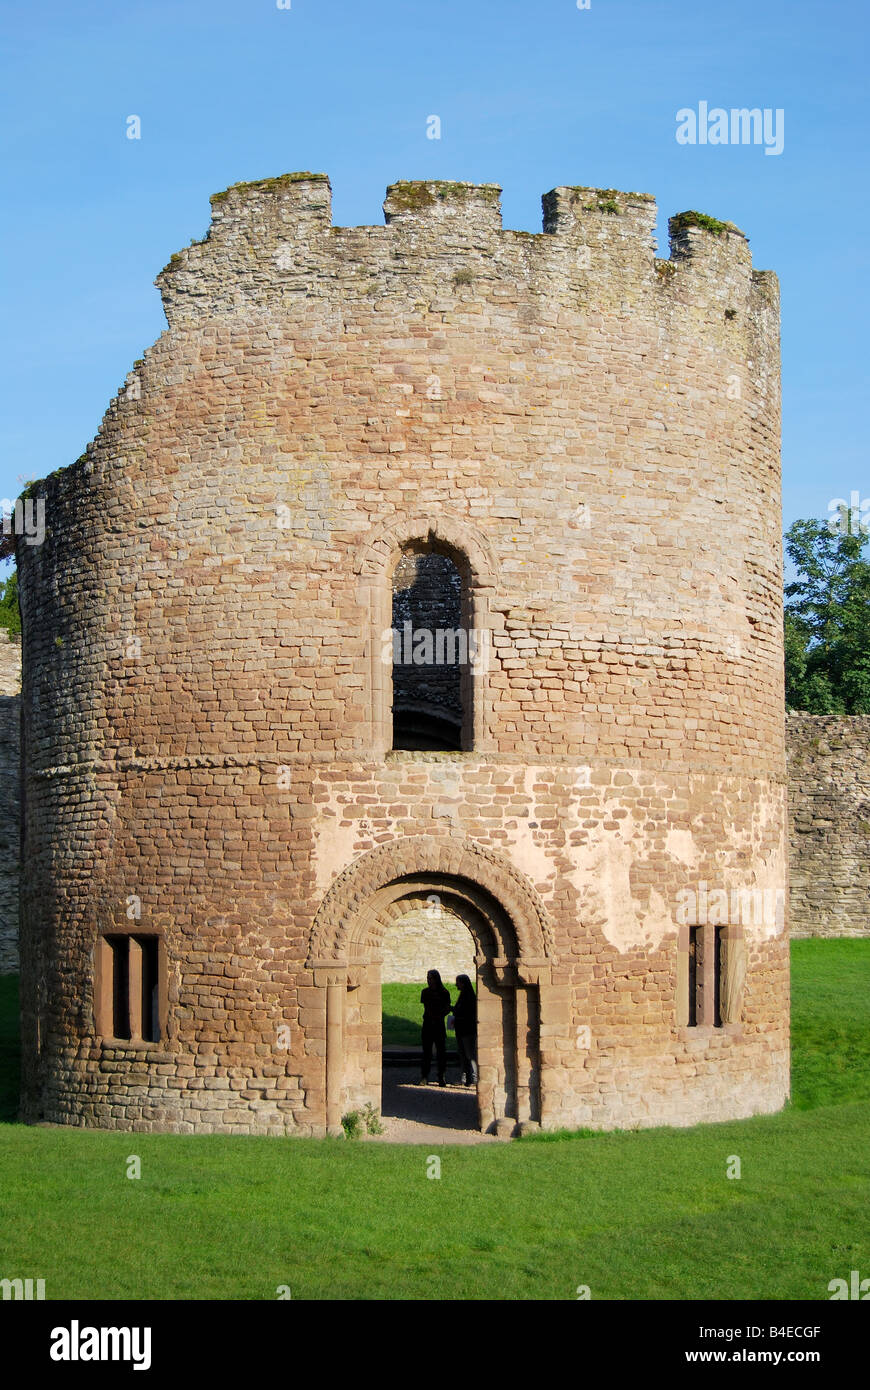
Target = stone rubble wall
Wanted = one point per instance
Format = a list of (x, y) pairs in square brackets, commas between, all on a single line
[(829, 824), (10, 799)]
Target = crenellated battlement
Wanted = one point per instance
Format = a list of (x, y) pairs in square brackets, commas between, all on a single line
[(274, 239), (474, 204), (301, 202)]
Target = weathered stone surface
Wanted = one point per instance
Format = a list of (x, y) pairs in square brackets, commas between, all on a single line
[(10, 830), (829, 821), (591, 436)]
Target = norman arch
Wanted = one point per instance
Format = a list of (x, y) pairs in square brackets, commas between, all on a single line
[(513, 956)]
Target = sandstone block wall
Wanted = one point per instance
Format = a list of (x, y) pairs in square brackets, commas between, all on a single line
[(829, 824), (591, 435), (829, 841)]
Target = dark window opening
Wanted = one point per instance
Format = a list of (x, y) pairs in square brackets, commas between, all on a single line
[(150, 1023), (433, 651), (695, 949), (720, 949), (120, 946)]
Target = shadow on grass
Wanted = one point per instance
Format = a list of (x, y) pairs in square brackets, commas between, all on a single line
[(10, 1049), (400, 1032)]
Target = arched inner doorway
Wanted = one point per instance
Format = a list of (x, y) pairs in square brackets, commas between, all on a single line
[(508, 1038), (422, 934)]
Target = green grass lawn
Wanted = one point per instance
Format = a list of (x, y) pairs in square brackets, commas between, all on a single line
[(830, 1023), (403, 1013), (640, 1215)]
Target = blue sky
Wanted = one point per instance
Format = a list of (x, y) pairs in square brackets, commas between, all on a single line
[(530, 95)]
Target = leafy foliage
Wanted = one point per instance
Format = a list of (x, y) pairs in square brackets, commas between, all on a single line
[(10, 614), (827, 620)]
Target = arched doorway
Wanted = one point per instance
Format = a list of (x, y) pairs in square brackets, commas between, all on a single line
[(421, 933), (506, 922)]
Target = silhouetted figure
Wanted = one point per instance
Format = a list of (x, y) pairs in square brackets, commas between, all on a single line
[(465, 1027), (436, 1005)]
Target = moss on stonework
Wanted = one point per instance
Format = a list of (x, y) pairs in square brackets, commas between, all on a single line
[(270, 185), (415, 196), (411, 197), (699, 219), (29, 489), (463, 277), (606, 195), (488, 192)]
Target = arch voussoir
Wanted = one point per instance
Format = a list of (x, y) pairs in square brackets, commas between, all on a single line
[(443, 859)]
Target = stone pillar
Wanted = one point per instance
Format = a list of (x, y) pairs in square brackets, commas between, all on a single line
[(331, 977), (488, 1043), (334, 1012), (505, 977), (361, 1036), (134, 999), (523, 1063)]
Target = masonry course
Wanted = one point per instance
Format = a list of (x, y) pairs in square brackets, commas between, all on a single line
[(829, 831)]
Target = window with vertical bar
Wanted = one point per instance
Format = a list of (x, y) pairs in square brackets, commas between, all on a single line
[(128, 998), (704, 977)]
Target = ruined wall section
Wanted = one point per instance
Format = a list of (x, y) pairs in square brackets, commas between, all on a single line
[(10, 847), (829, 823), (564, 398)]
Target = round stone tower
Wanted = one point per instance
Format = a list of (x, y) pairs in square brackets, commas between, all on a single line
[(425, 569)]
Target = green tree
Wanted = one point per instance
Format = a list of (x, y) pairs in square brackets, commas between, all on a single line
[(10, 614), (827, 619)]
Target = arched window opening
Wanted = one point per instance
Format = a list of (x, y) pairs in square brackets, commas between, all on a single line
[(433, 654)]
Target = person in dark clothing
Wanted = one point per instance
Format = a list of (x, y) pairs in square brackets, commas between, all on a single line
[(436, 1005), (465, 1027)]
